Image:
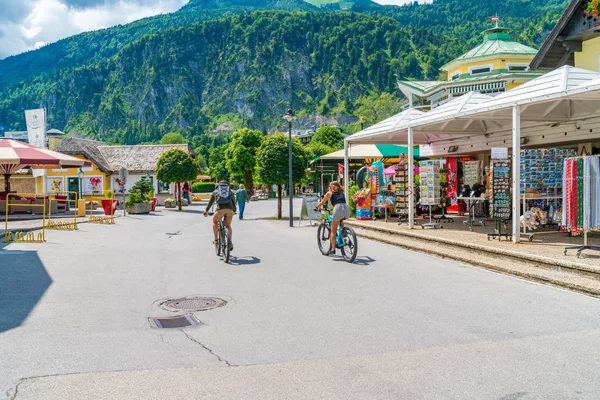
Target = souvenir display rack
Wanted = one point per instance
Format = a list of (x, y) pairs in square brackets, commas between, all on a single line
[(581, 199), (471, 172), (500, 170), (402, 191), (444, 199), (430, 188)]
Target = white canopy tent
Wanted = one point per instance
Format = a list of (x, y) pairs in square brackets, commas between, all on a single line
[(542, 107)]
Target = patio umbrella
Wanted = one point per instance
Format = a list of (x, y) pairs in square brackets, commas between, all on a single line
[(15, 155)]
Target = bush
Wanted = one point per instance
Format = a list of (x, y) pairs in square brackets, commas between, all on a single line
[(203, 187)]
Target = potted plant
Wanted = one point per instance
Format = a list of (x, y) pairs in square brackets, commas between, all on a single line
[(152, 199), (138, 201), (109, 203)]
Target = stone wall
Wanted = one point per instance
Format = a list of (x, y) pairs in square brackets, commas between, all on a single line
[(19, 184)]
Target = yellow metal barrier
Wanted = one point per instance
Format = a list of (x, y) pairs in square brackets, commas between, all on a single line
[(63, 225), (101, 219), (25, 237)]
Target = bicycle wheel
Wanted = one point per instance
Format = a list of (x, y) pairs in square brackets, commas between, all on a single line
[(350, 247), (218, 245), (323, 238), (225, 247)]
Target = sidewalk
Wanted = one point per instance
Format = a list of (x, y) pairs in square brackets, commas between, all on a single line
[(541, 259)]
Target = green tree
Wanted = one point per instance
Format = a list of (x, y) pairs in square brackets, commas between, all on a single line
[(176, 166), (272, 163), (173, 138), (202, 161), (374, 109), (240, 155), (217, 163), (329, 136)]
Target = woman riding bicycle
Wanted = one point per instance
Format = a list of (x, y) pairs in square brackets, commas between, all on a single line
[(341, 210)]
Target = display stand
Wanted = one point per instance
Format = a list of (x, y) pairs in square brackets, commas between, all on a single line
[(430, 189), (471, 202), (581, 248), (444, 217), (501, 202), (402, 190)]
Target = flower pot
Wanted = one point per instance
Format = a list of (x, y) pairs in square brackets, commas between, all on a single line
[(109, 206), (154, 200), (140, 208)]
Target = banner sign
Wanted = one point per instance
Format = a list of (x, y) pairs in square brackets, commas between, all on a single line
[(36, 127)]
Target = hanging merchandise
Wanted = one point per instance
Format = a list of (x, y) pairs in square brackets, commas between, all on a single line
[(362, 199), (361, 177), (402, 189), (501, 202), (430, 188), (581, 198)]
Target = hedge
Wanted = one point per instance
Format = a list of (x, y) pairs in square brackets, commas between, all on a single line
[(203, 187)]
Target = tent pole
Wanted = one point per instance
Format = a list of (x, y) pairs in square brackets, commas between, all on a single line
[(7, 183), (346, 172), (411, 180), (516, 173)]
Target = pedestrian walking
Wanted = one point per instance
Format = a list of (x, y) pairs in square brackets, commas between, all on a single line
[(241, 198), (186, 192)]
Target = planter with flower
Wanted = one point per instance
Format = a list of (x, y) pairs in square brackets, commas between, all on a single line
[(109, 204), (139, 199), (153, 199), (592, 9)]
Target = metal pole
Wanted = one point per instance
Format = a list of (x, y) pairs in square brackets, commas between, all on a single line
[(346, 172), (411, 180), (516, 173), (291, 183)]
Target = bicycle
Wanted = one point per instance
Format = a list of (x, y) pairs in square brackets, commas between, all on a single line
[(223, 244), (345, 239)]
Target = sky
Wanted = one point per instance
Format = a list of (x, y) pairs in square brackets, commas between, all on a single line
[(29, 24)]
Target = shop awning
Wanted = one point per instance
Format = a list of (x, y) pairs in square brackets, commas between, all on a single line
[(369, 151)]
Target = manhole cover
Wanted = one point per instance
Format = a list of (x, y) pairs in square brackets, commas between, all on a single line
[(193, 304), (174, 322)]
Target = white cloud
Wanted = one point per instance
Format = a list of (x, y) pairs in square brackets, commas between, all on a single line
[(33, 23)]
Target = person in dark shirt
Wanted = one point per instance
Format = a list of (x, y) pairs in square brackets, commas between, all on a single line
[(341, 211), (224, 198)]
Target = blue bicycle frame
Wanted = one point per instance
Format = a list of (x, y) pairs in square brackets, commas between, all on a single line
[(338, 238)]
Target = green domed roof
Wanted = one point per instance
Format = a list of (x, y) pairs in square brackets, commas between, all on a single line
[(496, 42)]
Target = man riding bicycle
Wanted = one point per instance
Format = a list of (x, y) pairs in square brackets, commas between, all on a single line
[(225, 200)]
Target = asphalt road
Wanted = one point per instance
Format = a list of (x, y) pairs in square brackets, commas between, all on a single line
[(396, 325)]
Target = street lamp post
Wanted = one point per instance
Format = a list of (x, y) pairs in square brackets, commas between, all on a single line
[(80, 174), (289, 117)]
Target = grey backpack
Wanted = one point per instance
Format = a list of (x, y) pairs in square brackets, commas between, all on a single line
[(223, 193)]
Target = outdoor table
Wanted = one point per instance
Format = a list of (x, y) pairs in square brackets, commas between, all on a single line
[(471, 201), (385, 207)]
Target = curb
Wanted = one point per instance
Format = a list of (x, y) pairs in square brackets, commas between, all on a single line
[(487, 265), (551, 262)]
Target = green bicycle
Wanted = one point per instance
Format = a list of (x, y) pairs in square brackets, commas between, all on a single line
[(345, 240)]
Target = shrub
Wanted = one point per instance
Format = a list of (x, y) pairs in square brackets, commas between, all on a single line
[(203, 187)]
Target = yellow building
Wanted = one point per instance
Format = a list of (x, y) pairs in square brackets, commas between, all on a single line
[(496, 65), (575, 41)]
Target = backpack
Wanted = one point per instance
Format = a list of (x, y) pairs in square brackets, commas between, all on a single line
[(223, 193)]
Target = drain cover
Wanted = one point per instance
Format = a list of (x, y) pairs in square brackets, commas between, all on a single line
[(174, 322), (193, 304)]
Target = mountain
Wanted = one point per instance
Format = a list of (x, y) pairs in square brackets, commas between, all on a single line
[(221, 60)]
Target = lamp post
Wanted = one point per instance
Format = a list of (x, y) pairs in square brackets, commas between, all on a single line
[(80, 174), (289, 117)]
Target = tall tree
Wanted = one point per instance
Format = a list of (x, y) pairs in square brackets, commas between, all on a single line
[(217, 163), (329, 136), (241, 155), (272, 163), (176, 166), (173, 138)]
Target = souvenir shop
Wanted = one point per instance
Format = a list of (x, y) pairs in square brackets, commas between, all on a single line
[(524, 161)]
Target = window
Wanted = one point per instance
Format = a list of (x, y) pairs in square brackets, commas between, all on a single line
[(480, 70), (163, 187), (517, 67), (454, 76)]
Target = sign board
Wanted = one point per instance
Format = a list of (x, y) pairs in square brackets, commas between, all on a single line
[(308, 209), (36, 127), (499, 153)]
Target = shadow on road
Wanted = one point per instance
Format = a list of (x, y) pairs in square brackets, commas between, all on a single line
[(246, 260), (366, 261), (23, 282)]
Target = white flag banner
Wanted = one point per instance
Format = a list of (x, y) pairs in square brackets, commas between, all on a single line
[(36, 127)]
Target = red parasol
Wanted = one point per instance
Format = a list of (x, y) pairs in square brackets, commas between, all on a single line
[(15, 155)]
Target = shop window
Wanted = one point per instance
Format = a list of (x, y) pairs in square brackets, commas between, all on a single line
[(163, 187), (480, 70)]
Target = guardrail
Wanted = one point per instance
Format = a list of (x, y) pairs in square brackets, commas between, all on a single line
[(101, 219), (25, 237), (63, 225)]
